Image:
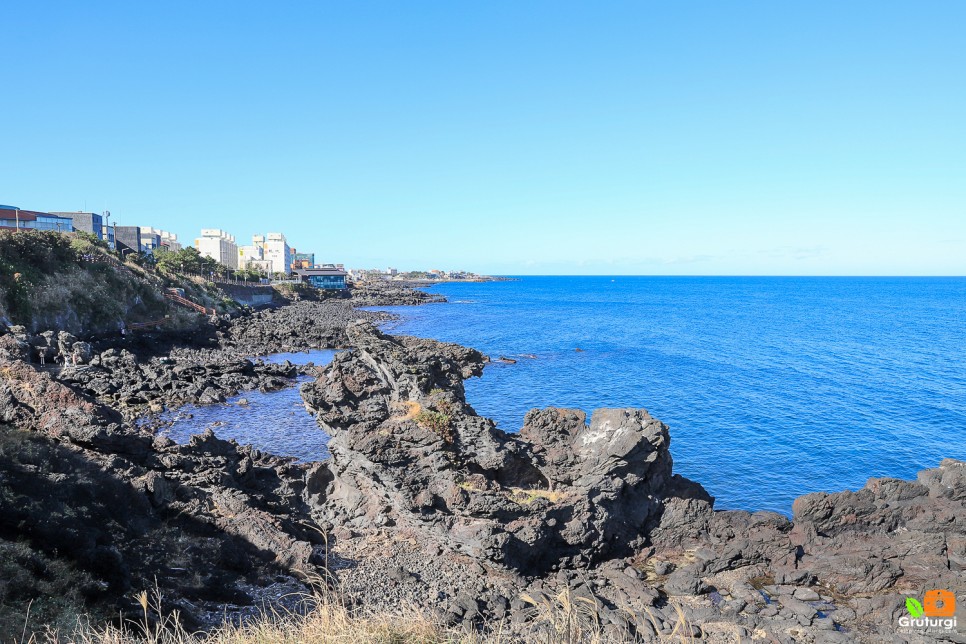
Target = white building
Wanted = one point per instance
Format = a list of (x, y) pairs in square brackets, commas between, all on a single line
[(252, 255), (218, 245), (151, 238), (170, 240), (270, 251), (278, 252)]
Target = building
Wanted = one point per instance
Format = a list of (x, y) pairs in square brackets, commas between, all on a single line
[(327, 277), (250, 256), (127, 239), (302, 260), (274, 250), (218, 245), (253, 257), (17, 219), (170, 240), (88, 222), (150, 239), (154, 238), (278, 252)]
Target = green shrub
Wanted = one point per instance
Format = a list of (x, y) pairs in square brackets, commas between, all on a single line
[(88, 244), (26, 257), (437, 422)]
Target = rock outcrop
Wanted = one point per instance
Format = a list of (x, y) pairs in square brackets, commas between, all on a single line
[(571, 509), (386, 293), (302, 325), (118, 377), (117, 510), (407, 450), (424, 502)]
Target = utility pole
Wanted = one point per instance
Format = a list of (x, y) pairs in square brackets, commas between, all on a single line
[(107, 228), (18, 219)]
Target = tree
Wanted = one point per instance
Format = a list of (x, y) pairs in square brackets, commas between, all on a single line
[(86, 243), (186, 260)]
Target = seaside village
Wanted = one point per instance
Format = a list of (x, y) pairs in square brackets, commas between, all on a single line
[(269, 258)]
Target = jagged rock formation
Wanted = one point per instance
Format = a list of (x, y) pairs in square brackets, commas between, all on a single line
[(386, 293), (119, 377), (425, 502), (595, 511), (406, 448), (119, 510), (305, 325)]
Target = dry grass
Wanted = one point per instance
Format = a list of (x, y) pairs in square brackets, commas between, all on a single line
[(526, 497), (411, 408), (326, 622), (561, 619)]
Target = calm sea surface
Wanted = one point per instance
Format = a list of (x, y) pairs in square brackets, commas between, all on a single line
[(274, 421), (772, 387)]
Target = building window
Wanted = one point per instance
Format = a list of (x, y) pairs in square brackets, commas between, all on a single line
[(327, 281)]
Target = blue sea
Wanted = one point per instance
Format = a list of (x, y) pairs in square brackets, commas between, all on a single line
[(272, 421), (772, 387)]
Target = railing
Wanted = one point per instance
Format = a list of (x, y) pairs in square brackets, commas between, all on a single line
[(145, 325), (103, 258), (189, 304)]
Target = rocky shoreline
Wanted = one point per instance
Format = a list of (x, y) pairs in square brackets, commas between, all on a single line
[(423, 502)]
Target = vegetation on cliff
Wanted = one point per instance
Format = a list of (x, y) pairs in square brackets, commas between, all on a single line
[(74, 283)]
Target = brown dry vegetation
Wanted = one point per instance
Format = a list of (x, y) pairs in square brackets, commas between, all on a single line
[(555, 620)]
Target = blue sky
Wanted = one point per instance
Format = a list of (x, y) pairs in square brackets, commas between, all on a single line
[(506, 137)]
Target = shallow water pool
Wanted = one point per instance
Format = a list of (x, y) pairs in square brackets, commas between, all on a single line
[(274, 422)]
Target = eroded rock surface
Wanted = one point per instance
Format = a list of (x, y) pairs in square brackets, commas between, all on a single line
[(408, 451), (568, 508), (425, 502), (117, 511)]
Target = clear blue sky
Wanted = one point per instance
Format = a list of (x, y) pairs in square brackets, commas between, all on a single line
[(506, 137)]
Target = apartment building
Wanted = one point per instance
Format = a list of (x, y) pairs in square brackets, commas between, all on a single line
[(278, 252), (154, 238), (270, 251), (218, 245)]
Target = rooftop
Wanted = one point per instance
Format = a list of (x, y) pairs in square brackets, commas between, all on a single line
[(308, 272)]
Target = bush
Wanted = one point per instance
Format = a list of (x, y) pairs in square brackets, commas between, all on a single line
[(437, 422), (26, 257), (186, 260), (88, 244)]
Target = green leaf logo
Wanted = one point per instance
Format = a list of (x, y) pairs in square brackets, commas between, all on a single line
[(914, 607)]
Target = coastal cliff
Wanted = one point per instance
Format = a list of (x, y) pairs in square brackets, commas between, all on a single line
[(425, 503), (594, 511)]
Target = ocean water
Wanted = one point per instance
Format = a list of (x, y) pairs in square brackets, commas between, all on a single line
[(772, 387), (274, 421)]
